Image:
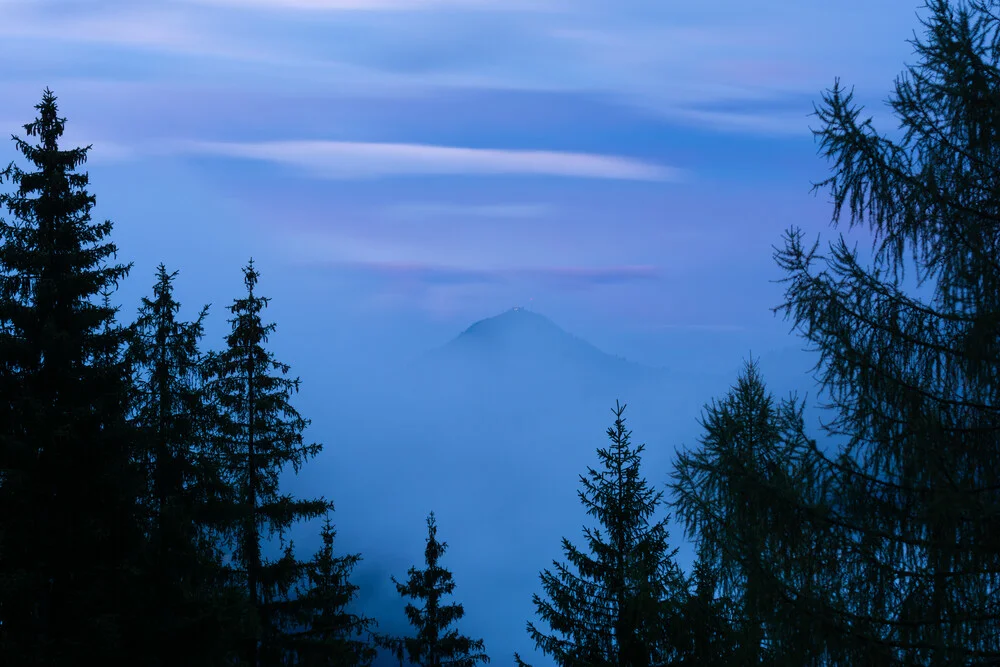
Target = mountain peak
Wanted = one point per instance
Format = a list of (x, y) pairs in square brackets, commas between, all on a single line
[(517, 322), (518, 338), (524, 352)]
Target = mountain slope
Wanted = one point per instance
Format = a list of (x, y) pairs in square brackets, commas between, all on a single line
[(520, 365), (524, 341)]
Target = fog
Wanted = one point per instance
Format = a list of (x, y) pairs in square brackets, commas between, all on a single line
[(491, 430)]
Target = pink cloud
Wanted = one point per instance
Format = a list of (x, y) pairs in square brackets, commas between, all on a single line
[(348, 159)]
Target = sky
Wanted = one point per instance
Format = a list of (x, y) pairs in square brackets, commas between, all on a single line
[(400, 169)]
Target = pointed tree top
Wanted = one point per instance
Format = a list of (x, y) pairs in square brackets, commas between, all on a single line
[(328, 532), (434, 548), (250, 275), (48, 126), (619, 408)]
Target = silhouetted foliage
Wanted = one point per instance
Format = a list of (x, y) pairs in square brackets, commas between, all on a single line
[(914, 382), (192, 615), (261, 434), (330, 636), (708, 618), (733, 495), (434, 645), (622, 605), (70, 531), (139, 478)]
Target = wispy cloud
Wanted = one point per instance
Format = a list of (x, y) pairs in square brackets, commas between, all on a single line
[(720, 328), (688, 64), (421, 273), (590, 276), (423, 211), (378, 5), (430, 274), (347, 159), (749, 121), (147, 28)]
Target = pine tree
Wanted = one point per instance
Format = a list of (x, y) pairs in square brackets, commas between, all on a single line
[(620, 605), (913, 380), (731, 493), (68, 515), (708, 622), (330, 635), (262, 434), (191, 615), (434, 645)]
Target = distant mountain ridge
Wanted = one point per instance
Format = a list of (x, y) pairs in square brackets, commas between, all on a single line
[(520, 358), (518, 334)]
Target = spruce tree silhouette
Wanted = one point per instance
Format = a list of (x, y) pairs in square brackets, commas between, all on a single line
[(262, 434), (70, 530), (619, 603), (434, 645)]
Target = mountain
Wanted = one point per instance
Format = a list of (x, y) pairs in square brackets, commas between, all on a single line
[(523, 356), (525, 339), (517, 367)]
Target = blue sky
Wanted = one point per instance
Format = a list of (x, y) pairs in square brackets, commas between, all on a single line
[(433, 162), (402, 168)]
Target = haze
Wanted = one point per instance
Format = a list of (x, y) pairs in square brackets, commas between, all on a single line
[(401, 171)]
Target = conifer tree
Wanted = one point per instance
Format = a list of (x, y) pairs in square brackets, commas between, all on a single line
[(622, 602), (731, 494), (330, 636), (434, 645), (707, 616), (68, 487), (262, 434), (913, 380), (191, 614)]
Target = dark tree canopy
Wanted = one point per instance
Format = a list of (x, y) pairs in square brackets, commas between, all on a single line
[(261, 434), (185, 485), (69, 523), (329, 635), (913, 382), (732, 494), (708, 637)]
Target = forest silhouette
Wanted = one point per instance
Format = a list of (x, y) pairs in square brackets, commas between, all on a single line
[(145, 518)]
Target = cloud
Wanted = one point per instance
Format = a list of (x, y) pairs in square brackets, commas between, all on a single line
[(423, 211), (378, 5), (430, 274), (588, 276), (746, 122), (702, 65), (347, 159), (704, 327), (147, 28), (421, 273)]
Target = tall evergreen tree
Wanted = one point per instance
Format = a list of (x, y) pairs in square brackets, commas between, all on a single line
[(731, 494), (620, 606), (68, 514), (329, 635), (707, 616), (191, 614), (914, 381), (434, 645), (262, 434)]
